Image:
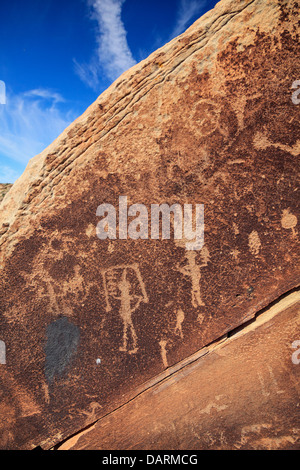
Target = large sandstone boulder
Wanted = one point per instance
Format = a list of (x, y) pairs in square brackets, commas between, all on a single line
[(207, 119)]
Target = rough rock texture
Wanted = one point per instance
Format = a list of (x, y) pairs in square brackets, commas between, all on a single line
[(4, 188), (209, 118), (248, 397)]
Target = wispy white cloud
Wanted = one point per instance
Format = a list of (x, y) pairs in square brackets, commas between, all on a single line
[(29, 122), (2, 93), (188, 9), (45, 95), (113, 55), (89, 73), (8, 174)]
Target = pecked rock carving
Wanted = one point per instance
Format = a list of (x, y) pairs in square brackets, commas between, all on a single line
[(193, 271), (207, 119), (117, 286)]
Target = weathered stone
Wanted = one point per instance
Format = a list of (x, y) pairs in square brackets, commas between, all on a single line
[(207, 119), (242, 393), (4, 188)]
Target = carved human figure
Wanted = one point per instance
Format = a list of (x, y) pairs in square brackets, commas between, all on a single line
[(119, 285), (193, 271)]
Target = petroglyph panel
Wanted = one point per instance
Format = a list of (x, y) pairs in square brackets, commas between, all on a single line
[(213, 124)]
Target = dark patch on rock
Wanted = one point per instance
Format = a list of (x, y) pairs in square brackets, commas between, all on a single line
[(62, 342)]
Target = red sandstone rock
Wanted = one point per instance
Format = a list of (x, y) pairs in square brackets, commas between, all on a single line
[(240, 394), (207, 119)]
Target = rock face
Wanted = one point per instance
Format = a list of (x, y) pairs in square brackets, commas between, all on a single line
[(207, 119), (254, 411), (4, 188)]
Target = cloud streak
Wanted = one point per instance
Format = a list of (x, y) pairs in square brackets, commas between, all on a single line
[(45, 95), (2, 93), (29, 122), (113, 55), (188, 9)]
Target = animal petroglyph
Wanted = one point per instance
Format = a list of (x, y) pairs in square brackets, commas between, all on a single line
[(58, 286), (91, 415), (193, 271), (261, 142), (125, 285)]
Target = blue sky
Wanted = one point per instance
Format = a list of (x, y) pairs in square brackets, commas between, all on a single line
[(58, 56)]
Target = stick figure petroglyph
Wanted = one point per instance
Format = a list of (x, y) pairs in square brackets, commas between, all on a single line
[(179, 321), (120, 282), (193, 271)]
